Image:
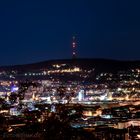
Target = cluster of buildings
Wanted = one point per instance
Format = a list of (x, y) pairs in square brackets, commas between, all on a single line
[(109, 101)]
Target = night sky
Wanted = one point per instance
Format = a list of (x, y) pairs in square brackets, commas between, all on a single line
[(38, 30)]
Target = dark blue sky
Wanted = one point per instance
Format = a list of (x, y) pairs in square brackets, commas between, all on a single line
[(36, 30)]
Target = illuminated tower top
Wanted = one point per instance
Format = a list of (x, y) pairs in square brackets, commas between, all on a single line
[(74, 55)]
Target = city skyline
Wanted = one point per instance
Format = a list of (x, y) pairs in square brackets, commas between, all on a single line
[(34, 31)]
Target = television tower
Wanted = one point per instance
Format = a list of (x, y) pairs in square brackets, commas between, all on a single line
[(74, 55)]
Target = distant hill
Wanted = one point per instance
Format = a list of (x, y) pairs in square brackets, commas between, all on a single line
[(91, 68), (98, 64)]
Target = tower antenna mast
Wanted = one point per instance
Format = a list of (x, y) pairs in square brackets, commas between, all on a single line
[(74, 55)]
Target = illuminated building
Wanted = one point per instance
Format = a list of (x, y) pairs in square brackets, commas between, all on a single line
[(81, 95)]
